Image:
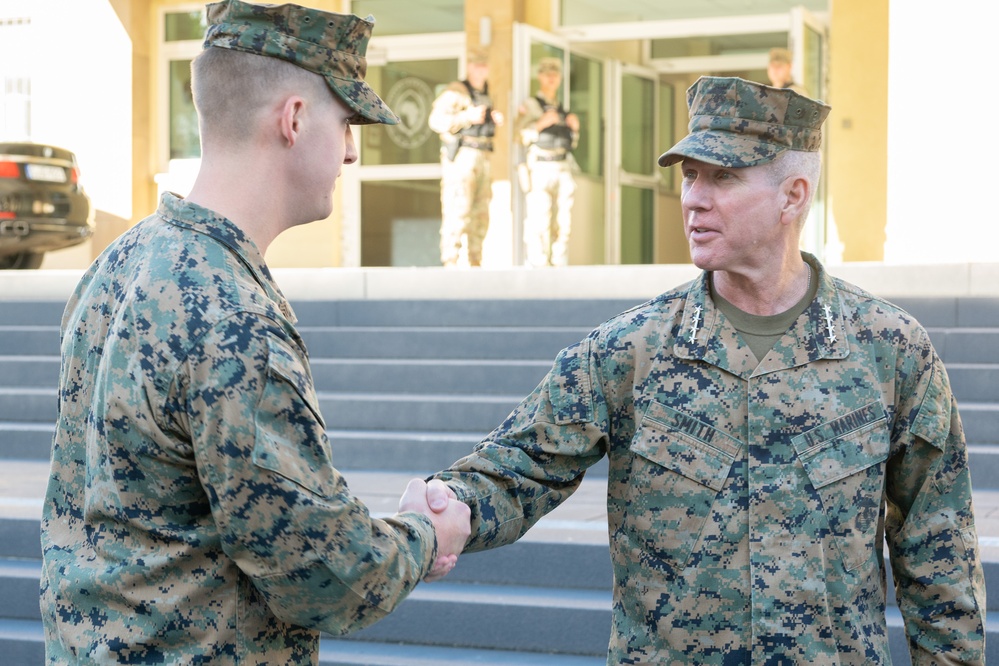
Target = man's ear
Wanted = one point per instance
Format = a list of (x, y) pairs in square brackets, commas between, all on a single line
[(290, 119), (796, 195)]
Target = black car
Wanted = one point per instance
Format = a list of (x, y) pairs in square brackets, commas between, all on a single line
[(42, 204)]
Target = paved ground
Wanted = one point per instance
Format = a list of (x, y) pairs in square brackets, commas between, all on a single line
[(582, 518)]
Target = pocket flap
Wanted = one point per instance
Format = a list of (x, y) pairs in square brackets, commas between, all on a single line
[(686, 445), (844, 446)]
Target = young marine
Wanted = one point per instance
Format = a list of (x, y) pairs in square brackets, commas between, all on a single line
[(193, 514)]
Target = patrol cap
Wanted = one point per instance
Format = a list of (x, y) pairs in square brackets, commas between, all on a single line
[(739, 123), (778, 54), (477, 57), (331, 45), (550, 65)]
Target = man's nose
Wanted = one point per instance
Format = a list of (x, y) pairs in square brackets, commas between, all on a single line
[(350, 155)]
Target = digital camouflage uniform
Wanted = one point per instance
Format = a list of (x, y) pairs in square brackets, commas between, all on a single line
[(749, 503), (193, 513), (193, 510), (466, 179), (548, 223)]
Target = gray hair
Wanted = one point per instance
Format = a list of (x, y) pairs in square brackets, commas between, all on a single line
[(797, 164)]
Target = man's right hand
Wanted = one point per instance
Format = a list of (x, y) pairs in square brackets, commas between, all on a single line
[(451, 519)]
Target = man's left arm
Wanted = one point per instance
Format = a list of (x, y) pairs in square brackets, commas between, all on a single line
[(930, 525)]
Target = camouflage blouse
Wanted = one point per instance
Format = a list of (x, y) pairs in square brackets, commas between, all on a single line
[(749, 504), (193, 513)]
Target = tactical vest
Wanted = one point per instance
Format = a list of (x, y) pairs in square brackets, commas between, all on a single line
[(558, 136), (487, 128)]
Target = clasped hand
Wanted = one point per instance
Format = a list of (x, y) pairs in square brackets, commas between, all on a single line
[(451, 519)]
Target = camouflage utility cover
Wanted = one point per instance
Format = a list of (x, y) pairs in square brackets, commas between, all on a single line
[(737, 123), (331, 45), (193, 513), (748, 504)]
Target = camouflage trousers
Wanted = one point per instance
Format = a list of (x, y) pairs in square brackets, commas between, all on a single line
[(549, 213), (466, 190)]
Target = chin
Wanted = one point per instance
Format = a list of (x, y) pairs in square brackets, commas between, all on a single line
[(701, 258)]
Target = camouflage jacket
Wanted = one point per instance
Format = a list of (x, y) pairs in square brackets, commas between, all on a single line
[(193, 513), (528, 114), (748, 505)]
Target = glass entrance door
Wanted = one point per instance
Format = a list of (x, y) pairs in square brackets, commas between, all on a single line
[(634, 181), (397, 183)]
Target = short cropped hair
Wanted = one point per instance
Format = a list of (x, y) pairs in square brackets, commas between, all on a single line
[(230, 88), (797, 164)]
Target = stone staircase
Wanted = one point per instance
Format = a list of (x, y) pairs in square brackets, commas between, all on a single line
[(408, 386)]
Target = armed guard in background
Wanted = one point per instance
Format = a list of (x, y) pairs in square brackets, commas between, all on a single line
[(549, 134), (464, 117)]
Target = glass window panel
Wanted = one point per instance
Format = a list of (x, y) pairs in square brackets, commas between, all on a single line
[(16, 40), (812, 49), (409, 88), (402, 221), (185, 26), (184, 141), (636, 225), (584, 12), (667, 130), (586, 94), (405, 17), (637, 125), (717, 45)]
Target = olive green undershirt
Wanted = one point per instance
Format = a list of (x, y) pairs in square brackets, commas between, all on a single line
[(761, 332)]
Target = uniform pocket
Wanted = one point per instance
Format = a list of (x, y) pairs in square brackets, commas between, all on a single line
[(678, 467), (844, 460), (290, 432)]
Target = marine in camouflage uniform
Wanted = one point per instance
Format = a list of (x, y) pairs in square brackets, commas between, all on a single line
[(193, 514), (750, 497), (550, 166), (464, 117)]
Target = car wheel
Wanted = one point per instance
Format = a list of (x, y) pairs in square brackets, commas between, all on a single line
[(21, 261)]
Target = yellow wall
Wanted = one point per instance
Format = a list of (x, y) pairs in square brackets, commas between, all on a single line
[(857, 127)]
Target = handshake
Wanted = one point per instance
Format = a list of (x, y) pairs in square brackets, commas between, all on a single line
[(451, 519)]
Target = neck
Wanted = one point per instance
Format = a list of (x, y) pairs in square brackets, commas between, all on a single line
[(250, 199), (767, 292)]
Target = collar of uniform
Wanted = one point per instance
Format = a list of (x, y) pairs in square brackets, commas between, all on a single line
[(698, 337), (707, 336), (182, 213), (818, 333)]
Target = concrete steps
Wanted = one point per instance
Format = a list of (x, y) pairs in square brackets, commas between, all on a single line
[(409, 386)]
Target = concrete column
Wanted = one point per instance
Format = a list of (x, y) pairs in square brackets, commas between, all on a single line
[(489, 25)]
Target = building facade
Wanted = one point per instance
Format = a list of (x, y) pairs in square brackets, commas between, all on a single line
[(626, 71)]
